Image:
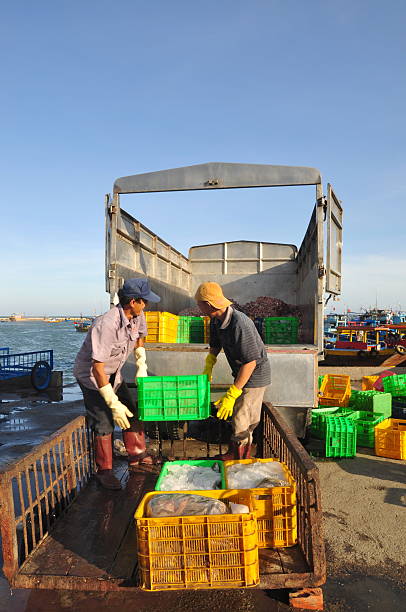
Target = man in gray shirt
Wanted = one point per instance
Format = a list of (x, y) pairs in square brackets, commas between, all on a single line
[(245, 352), (97, 369)]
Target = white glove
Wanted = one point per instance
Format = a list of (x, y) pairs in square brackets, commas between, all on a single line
[(118, 410), (140, 362)]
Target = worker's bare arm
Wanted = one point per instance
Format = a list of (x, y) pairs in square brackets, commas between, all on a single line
[(100, 375), (244, 374)]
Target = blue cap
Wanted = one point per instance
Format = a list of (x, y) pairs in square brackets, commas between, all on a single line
[(139, 288)]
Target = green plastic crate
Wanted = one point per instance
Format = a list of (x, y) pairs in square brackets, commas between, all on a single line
[(280, 330), (340, 437), (199, 462), (372, 401), (395, 385), (173, 398), (320, 380), (317, 419), (366, 423), (190, 330)]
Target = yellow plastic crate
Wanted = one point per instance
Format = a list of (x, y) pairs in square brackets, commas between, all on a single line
[(206, 329), (335, 390), (275, 509), (162, 327), (198, 552), (368, 382), (390, 439)]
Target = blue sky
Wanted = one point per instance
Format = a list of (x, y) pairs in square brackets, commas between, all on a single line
[(96, 90)]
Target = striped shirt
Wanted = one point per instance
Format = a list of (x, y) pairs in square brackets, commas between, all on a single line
[(241, 342)]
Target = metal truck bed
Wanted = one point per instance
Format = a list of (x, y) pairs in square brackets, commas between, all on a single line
[(60, 531)]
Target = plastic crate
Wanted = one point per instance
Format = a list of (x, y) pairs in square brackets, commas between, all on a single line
[(372, 401), (368, 382), (395, 385), (275, 509), (399, 407), (190, 329), (335, 390), (280, 330), (390, 439), (173, 398), (321, 378), (317, 418), (340, 437), (366, 423), (162, 327), (198, 462), (198, 552)]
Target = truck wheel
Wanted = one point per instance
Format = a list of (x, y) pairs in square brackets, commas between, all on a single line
[(400, 349), (41, 375)]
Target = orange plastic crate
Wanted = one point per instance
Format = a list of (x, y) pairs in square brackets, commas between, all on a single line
[(335, 390), (368, 382), (390, 439), (275, 508), (198, 552)]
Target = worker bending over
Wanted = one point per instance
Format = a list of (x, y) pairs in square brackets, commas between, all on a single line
[(234, 332), (110, 340)]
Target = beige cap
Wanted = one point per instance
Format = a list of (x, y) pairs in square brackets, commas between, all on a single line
[(213, 294)]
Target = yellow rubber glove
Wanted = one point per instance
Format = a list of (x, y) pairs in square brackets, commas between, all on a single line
[(226, 403), (208, 368)]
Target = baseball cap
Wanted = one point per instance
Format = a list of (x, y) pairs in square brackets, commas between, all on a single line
[(213, 294), (139, 288)]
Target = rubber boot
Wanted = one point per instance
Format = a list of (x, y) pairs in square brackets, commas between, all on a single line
[(104, 462), (230, 455), (135, 445), (246, 451)]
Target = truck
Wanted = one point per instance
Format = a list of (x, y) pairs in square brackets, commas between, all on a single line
[(59, 530), (305, 276)]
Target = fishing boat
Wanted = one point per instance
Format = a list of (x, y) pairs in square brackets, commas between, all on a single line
[(83, 326), (366, 341)]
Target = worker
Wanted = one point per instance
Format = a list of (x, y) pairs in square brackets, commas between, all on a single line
[(245, 352), (110, 340)]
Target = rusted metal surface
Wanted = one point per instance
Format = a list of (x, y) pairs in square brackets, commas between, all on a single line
[(38, 488), (92, 547), (278, 440)]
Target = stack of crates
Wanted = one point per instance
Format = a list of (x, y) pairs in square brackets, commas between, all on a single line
[(372, 401), (173, 398), (395, 385), (162, 327), (198, 552), (280, 330), (366, 423), (335, 390), (190, 330), (275, 509), (390, 439), (337, 429)]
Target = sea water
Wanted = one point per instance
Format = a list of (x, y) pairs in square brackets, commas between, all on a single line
[(62, 338)]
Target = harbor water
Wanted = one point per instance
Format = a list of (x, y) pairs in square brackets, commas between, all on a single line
[(62, 338)]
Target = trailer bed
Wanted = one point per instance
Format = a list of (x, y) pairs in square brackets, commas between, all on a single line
[(91, 545)]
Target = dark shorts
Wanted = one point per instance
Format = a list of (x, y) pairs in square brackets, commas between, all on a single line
[(99, 414)]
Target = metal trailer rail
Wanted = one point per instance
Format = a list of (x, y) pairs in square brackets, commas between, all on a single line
[(61, 532), (21, 364)]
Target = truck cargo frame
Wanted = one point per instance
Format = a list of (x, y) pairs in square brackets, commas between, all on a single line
[(245, 269), (61, 531)]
